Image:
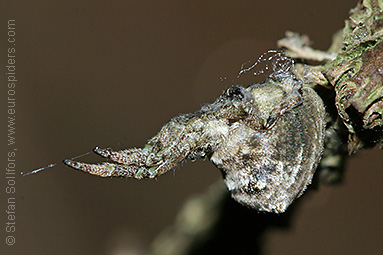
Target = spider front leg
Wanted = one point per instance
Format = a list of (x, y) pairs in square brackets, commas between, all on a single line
[(188, 136), (163, 152), (105, 169), (128, 163)]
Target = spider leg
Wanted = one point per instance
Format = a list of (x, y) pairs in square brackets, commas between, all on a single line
[(103, 170), (127, 157), (106, 169), (285, 105), (187, 136), (162, 153)]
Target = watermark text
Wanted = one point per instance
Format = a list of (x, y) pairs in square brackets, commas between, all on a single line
[(11, 166)]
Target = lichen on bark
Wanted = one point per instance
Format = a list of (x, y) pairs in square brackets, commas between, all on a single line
[(355, 74)]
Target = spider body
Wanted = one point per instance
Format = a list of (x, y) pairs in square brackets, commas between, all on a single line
[(267, 140)]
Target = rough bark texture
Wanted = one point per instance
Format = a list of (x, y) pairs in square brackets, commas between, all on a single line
[(355, 73)]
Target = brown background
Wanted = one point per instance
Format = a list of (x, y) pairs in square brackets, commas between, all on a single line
[(111, 73)]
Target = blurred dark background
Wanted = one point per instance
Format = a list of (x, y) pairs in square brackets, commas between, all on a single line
[(110, 74)]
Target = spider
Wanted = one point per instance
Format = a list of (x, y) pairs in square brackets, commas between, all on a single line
[(266, 138)]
